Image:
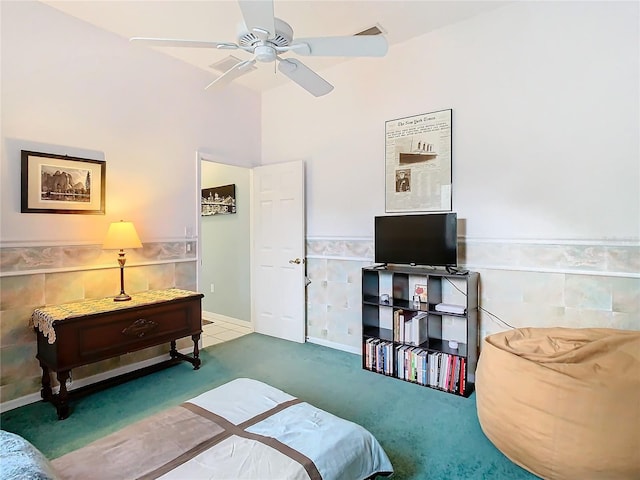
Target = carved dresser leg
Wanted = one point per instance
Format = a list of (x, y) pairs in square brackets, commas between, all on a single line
[(45, 392), (62, 400), (196, 352)]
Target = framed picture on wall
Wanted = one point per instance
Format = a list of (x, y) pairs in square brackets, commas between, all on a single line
[(218, 200), (62, 184), (418, 163)]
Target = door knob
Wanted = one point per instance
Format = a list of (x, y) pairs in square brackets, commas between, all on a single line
[(297, 261)]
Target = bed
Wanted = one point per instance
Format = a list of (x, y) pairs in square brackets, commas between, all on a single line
[(244, 429), (20, 460)]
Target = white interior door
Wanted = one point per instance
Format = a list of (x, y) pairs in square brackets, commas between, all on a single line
[(279, 251)]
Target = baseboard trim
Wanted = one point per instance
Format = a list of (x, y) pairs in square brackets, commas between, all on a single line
[(334, 345), (83, 382), (212, 317)]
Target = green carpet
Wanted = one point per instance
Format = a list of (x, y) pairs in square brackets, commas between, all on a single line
[(426, 433)]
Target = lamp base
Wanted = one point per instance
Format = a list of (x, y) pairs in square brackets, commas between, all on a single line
[(123, 297)]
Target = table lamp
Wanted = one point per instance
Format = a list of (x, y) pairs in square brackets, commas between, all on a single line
[(121, 235)]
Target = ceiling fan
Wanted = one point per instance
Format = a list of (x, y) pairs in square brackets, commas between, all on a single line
[(269, 38)]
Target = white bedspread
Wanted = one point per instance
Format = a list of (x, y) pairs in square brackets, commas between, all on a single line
[(244, 429)]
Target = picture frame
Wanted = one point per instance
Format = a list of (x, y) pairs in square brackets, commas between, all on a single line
[(62, 184), (421, 291), (218, 200), (418, 170)]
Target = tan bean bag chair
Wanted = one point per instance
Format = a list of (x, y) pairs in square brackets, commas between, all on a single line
[(563, 403)]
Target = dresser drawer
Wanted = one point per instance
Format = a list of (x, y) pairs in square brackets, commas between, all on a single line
[(116, 335)]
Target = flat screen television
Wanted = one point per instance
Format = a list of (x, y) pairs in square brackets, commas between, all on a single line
[(429, 239)]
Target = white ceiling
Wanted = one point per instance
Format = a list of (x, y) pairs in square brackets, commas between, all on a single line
[(217, 20)]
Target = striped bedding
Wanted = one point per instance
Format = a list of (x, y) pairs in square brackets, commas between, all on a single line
[(244, 429)]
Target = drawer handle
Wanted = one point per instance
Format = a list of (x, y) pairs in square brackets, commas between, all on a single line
[(139, 328)]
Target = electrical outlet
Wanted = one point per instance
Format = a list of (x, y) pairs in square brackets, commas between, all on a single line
[(188, 247), (212, 288)]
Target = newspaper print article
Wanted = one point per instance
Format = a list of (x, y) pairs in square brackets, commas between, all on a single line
[(418, 163)]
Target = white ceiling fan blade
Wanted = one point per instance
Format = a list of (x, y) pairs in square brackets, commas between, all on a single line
[(304, 76), (234, 72), (258, 17), (170, 42), (353, 46)]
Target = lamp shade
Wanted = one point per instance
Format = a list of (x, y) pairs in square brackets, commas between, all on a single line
[(121, 235)]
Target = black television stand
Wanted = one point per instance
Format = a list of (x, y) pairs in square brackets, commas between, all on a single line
[(417, 341)]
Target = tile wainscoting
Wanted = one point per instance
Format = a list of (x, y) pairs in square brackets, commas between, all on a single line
[(529, 283), (532, 283), (33, 276)]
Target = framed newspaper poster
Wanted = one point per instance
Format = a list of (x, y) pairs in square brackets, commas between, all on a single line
[(418, 163)]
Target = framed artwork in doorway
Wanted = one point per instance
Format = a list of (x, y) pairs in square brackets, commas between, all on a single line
[(218, 200)]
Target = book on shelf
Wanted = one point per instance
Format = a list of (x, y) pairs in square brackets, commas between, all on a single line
[(407, 362), (424, 367), (456, 379), (398, 326), (452, 373), (408, 330), (444, 372), (400, 361), (419, 359), (431, 362), (419, 332), (414, 364), (405, 371), (387, 355), (436, 369)]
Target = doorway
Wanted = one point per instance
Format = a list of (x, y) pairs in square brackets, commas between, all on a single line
[(224, 275), (261, 243)]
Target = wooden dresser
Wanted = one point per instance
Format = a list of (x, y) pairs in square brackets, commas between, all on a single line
[(75, 334)]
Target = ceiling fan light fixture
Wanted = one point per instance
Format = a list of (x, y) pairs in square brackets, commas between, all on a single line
[(265, 53)]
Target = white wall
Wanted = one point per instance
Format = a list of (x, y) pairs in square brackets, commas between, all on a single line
[(545, 99), (70, 88), (226, 246)]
